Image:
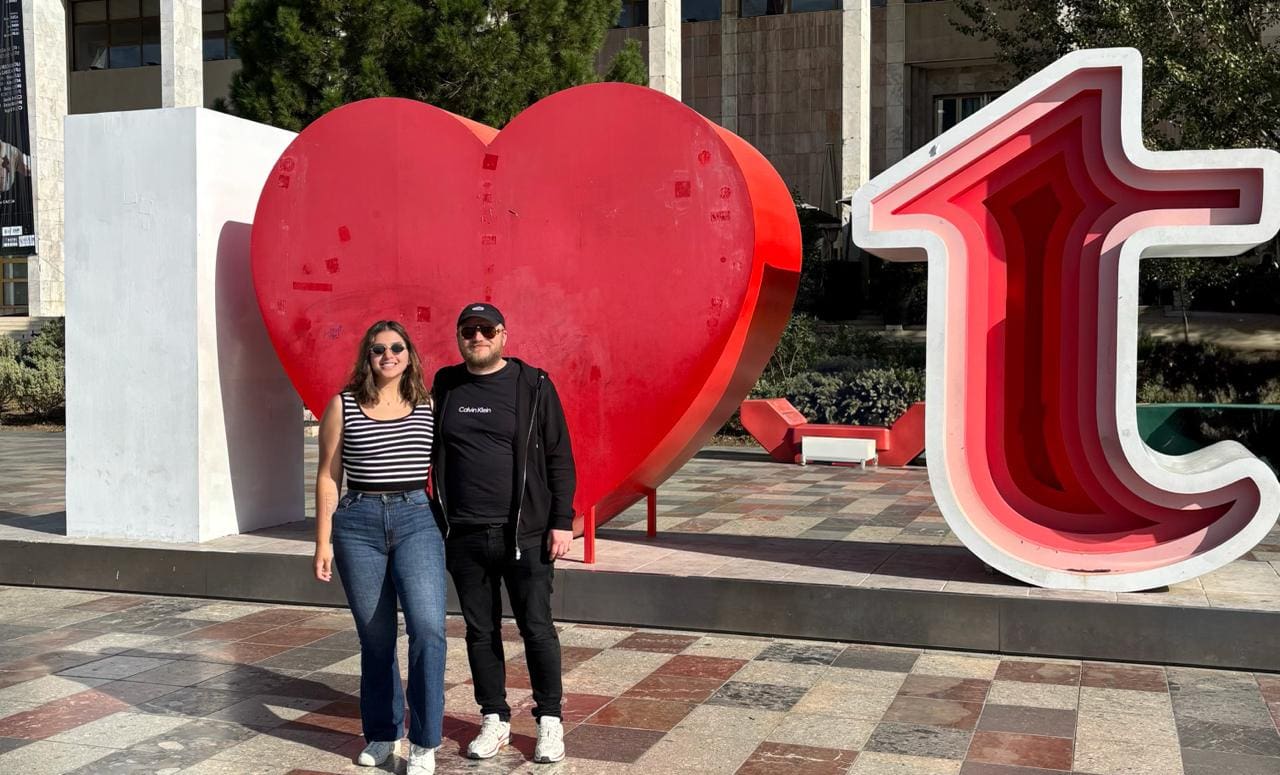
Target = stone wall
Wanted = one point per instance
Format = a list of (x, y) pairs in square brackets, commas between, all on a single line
[(788, 89), (785, 84), (930, 82), (878, 22), (45, 40), (138, 88)]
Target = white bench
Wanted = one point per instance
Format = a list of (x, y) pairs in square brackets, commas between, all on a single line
[(833, 450)]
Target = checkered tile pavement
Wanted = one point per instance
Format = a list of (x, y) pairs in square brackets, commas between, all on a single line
[(96, 683), (727, 514)]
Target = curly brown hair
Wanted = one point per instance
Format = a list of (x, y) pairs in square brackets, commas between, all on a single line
[(361, 385)]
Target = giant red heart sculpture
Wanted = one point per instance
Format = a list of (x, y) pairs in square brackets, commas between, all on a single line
[(643, 256)]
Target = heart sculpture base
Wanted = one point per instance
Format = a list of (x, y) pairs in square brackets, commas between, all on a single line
[(645, 257)]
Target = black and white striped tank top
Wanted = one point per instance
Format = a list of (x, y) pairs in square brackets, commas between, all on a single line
[(385, 455)]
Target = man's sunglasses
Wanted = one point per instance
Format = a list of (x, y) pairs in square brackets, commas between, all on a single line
[(466, 332), (379, 349)]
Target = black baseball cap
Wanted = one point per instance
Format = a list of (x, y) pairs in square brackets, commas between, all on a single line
[(483, 311)]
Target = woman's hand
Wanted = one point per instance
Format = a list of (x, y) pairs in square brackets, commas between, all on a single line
[(324, 562)]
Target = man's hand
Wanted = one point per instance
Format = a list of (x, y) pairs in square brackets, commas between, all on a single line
[(324, 562), (559, 542)]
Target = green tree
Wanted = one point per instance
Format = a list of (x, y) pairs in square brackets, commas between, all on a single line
[(483, 59), (628, 66), (1209, 75), (1209, 78)]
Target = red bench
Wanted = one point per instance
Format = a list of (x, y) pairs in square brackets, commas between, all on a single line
[(778, 427)]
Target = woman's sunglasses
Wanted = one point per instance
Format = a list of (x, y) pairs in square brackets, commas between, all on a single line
[(379, 349)]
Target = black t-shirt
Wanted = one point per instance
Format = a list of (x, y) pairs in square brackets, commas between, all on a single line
[(479, 440)]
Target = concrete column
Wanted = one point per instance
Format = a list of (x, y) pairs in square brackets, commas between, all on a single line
[(729, 15), (181, 54), (45, 38), (181, 423), (855, 95), (664, 46), (895, 81)]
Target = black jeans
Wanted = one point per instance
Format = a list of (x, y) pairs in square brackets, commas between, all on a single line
[(479, 559)]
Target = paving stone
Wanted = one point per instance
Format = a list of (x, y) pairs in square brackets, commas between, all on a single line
[(184, 673), (759, 696), (661, 643), (680, 752), (957, 666), (636, 713), (1107, 758), (691, 666), (781, 673), (1049, 722), (772, 757), (674, 688), (10, 743), (304, 659), (1039, 672), (1109, 676), (45, 757), (919, 740), (944, 688), (193, 702), (120, 730), (615, 744), (59, 715), (1228, 738), (1197, 762), (1131, 728), (1050, 753), (800, 654), (731, 721), (877, 763), (938, 713), (870, 658)]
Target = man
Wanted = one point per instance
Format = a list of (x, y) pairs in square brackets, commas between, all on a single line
[(503, 481)]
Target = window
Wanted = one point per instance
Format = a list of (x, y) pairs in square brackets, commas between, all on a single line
[(635, 13), (951, 110), (108, 34), (115, 33), (699, 10), (770, 7), (13, 285), (216, 43)]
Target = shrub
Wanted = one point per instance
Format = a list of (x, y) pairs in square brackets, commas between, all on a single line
[(32, 377), (796, 350), (864, 397), (41, 390), (1198, 372), (883, 395), (10, 368), (48, 345)]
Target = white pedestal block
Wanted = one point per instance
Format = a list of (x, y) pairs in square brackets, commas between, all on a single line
[(181, 423)]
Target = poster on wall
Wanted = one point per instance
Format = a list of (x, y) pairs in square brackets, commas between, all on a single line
[(17, 210)]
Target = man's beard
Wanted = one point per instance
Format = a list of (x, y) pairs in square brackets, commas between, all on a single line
[(478, 361)]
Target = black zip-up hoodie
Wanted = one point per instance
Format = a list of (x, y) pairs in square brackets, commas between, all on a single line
[(544, 478)]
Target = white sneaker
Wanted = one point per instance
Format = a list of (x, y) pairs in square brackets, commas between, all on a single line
[(376, 753), (550, 747), (422, 761), (494, 733)]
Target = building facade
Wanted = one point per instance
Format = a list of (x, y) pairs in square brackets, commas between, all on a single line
[(830, 91)]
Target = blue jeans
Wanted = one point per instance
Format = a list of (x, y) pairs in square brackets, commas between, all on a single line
[(387, 545)]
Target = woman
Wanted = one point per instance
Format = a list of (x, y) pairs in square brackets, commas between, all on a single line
[(386, 541)]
